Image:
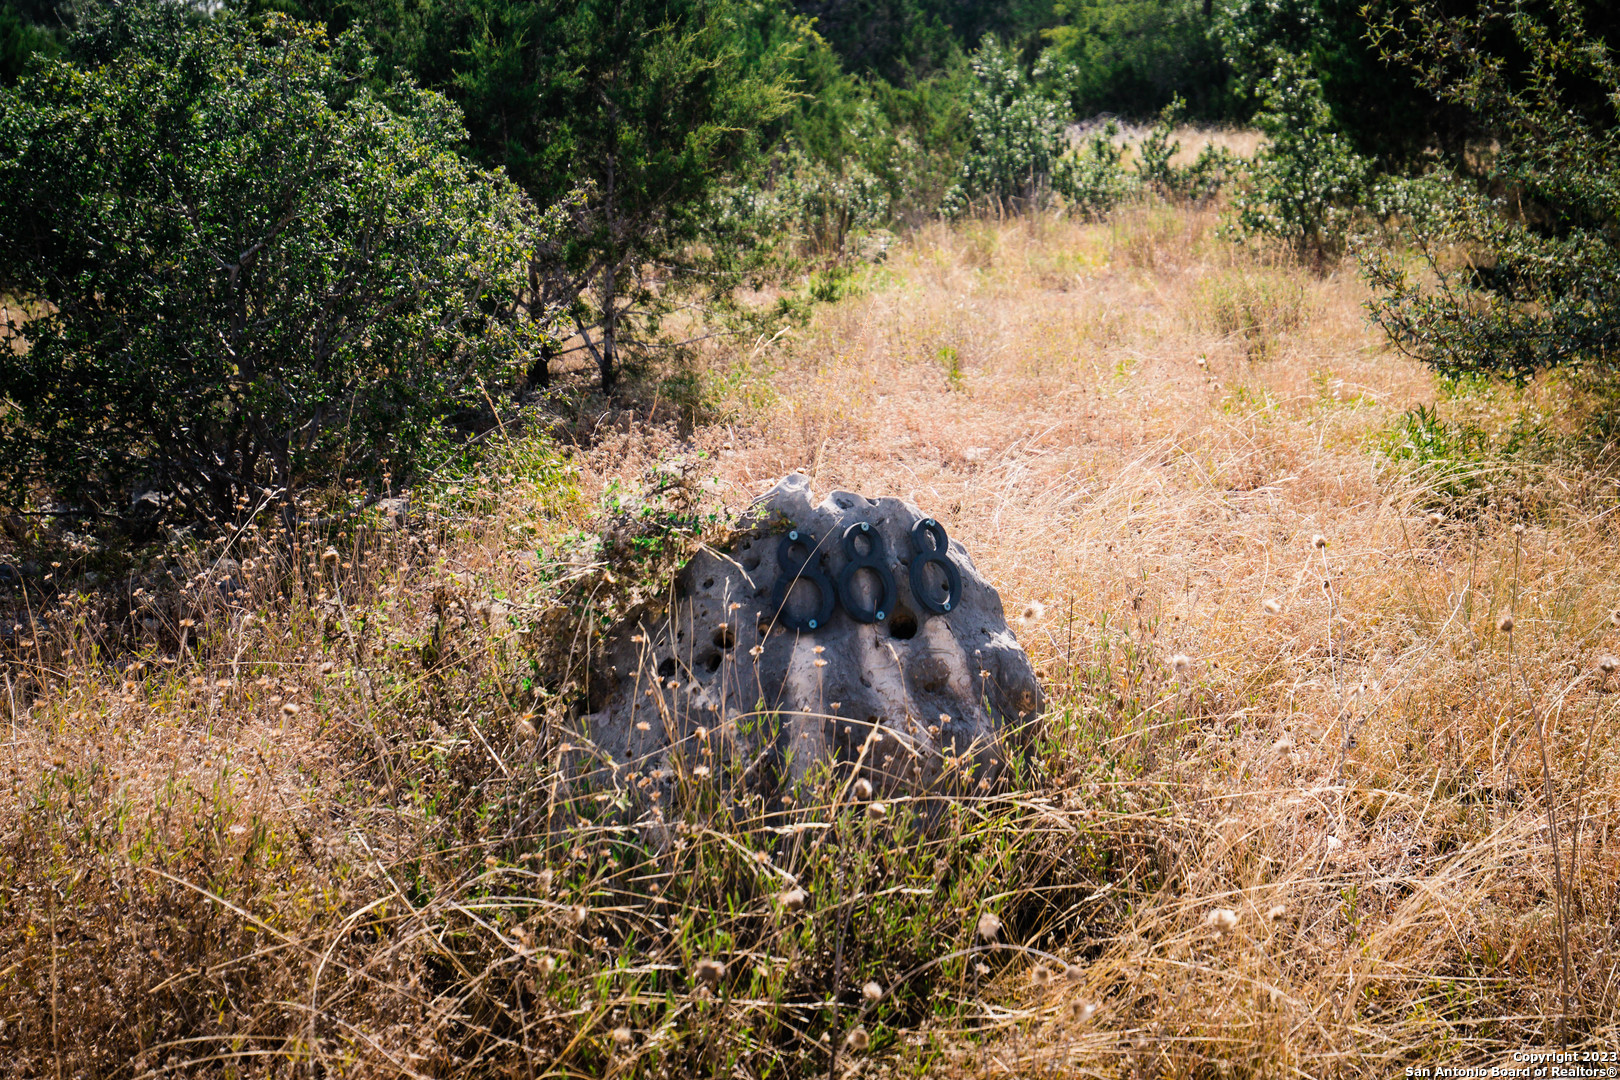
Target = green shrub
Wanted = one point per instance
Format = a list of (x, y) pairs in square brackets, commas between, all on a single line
[(830, 212), (1091, 179), (1201, 180), (251, 287), (1522, 267), (1306, 185), (1018, 136)]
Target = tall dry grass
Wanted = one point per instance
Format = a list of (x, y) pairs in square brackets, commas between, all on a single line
[(1306, 802), (1139, 422)]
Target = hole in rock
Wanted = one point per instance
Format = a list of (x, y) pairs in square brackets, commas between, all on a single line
[(708, 583), (902, 624), (711, 663), (666, 668), (725, 637)]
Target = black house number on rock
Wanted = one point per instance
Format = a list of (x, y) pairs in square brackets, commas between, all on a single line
[(864, 549)]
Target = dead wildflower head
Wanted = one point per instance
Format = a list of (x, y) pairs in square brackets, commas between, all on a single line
[(708, 972), (863, 789), (872, 991), (1505, 623), (622, 1037), (858, 1039), (1434, 519), (877, 811), (1041, 976), (989, 926), (1181, 664), (1319, 542), (329, 556), (1222, 919), (1081, 1012), (1607, 664), (1033, 612), (1273, 606), (1074, 974)]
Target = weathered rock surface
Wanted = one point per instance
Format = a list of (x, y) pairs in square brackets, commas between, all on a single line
[(734, 676)]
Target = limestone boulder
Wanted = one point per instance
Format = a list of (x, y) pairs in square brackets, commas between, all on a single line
[(829, 632)]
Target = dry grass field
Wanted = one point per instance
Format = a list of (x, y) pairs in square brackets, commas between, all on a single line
[(1326, 787)]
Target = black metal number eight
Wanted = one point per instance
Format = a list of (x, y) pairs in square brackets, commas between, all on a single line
[(875, 560), (801, 569), (937, 552)]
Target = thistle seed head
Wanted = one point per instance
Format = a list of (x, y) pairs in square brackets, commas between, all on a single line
[(871, 991), (989, 926)]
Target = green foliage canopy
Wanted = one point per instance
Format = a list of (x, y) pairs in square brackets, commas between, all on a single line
[(1134, 57), (647, 109), (249, 272), (1521, 269)]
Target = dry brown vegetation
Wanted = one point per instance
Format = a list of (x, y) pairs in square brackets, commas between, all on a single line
[(1361, 822)]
